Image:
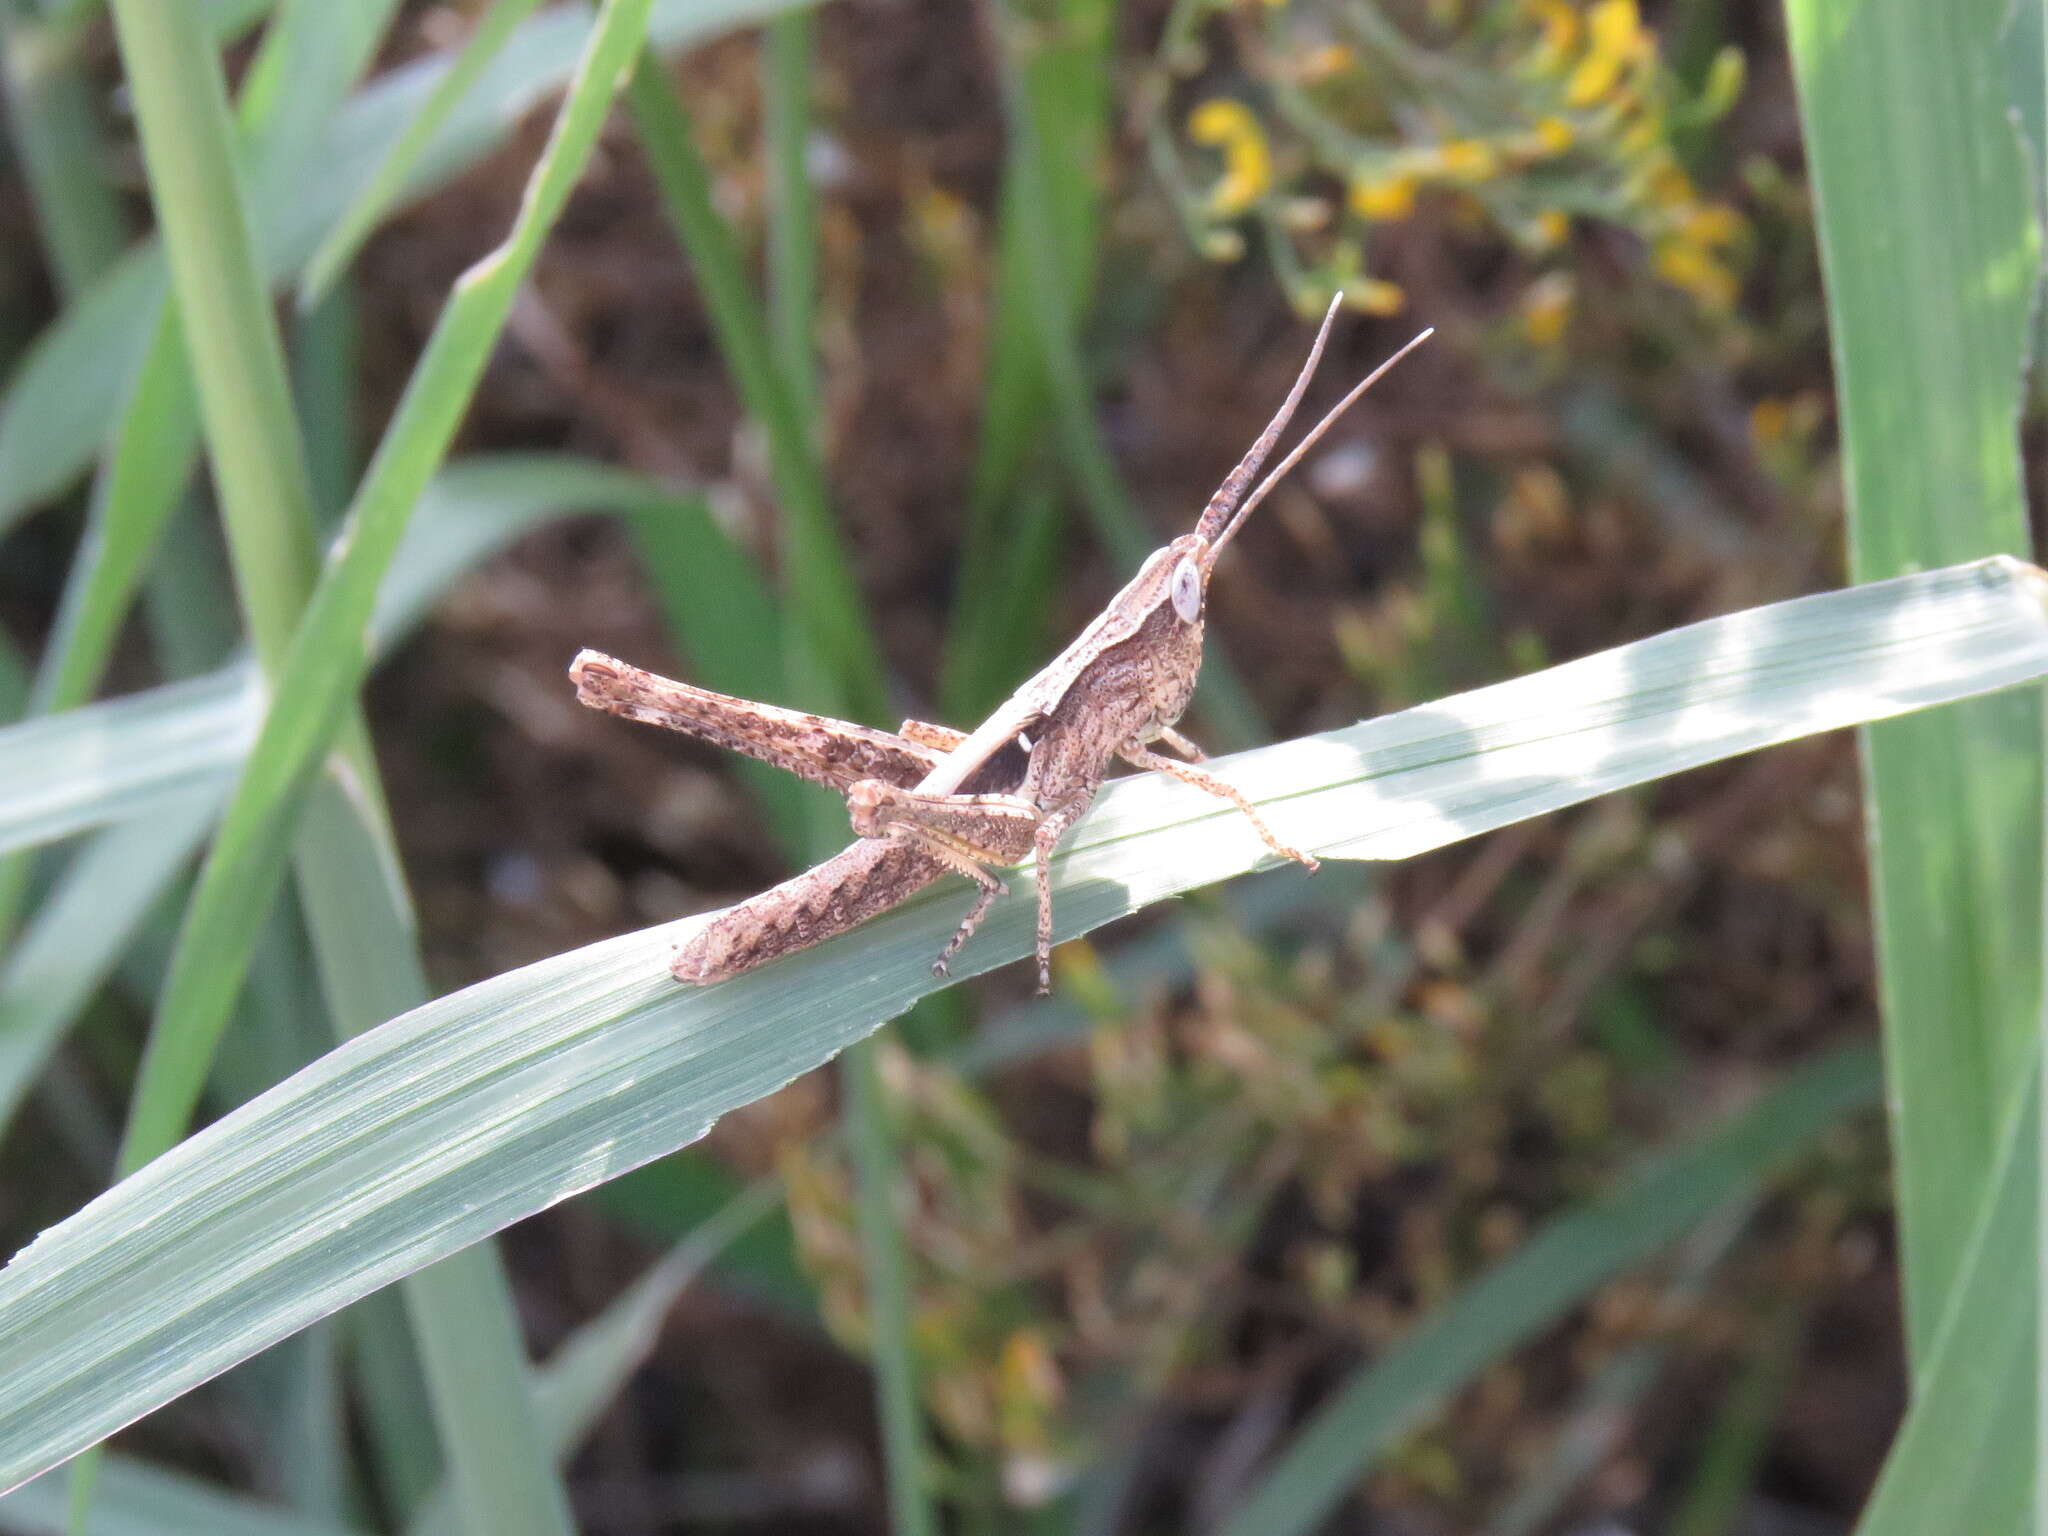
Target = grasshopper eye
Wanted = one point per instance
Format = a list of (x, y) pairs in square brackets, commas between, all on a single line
[(1187, 591)]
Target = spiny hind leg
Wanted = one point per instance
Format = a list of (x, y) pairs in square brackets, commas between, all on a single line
[(963, 862), (940, 738), (1139, 757), (943, 966), (1043, 841), (991, 886)]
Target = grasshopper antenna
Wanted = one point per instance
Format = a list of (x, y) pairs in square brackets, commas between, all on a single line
[(1294, 457), (1216, 516)]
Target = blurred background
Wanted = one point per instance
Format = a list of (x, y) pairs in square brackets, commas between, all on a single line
[(1026, 281)]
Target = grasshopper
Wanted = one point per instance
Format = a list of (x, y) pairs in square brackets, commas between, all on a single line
[(926, 799)]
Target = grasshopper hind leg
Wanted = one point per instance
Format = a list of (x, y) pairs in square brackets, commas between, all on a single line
[(943, 966), (940, 738), (961, 863)]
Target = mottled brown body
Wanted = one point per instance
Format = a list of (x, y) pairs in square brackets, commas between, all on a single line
[(928, 799), (850, 887), (855, 884)]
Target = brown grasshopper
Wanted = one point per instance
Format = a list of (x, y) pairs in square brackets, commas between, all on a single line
[(927, 799)]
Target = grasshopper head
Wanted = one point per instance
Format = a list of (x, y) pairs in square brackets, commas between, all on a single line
[(1175, 580), (1230, 506)]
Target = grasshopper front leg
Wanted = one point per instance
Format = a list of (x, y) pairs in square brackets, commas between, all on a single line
[(1140, 757)]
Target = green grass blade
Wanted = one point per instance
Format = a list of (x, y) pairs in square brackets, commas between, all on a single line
[(885, 1276), (66, 391), (472, 1353), (14, 680), (1930, 252), (326, 347), (715, 599), (345, 860), (53, 122), (792, 207), (133, 1498), (400, 1441), (471, 1111), (793, 237), (1964, 1458), (81, 929), (584, 1375), (132, 502), (1555, 1270), (477, 506), (147, 472), (1225, 704), (375, 200), (316, 684), (59, 404), (837, 666), (296, 1393), (310, 56), (719, 607), (1010, 544), (237, 357), (108, 762), (318, 49), (669, 140), (186, 605), (1722, 1484), (666, 1200), (63, 774), (1006, 598), (570, 1391), (225, 20)]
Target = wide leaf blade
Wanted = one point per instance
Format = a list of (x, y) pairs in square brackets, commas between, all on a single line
[(451, 1121)]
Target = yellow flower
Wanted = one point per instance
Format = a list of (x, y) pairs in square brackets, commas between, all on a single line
[(1555, 135), (1697, 270), (1392, 197), (1376, 296), (1029, 1384), (1547, 309), (1768, 420), (1668, 185), (1247, 162), (1468, 159), (1712, 224), (1561, 28), (1553, 228), (1616, 39), (1320, 64)]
